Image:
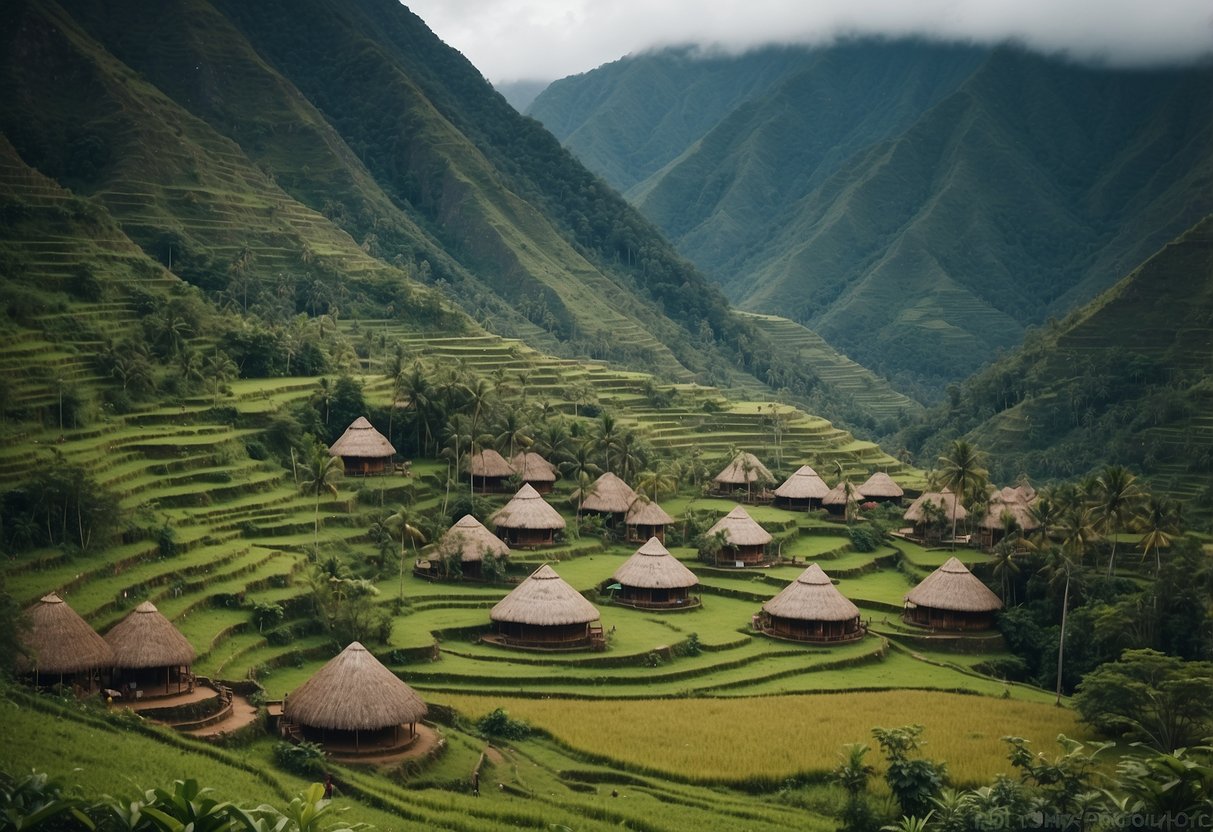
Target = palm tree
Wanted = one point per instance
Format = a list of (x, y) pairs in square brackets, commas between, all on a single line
[(513, 432), (606, 436), (1006, 566), (418, 392), (1116, 494), (479, 394), (657, 482), (1059, 567), (320, 477), (405, 522), (1158, 523), (962, 471)]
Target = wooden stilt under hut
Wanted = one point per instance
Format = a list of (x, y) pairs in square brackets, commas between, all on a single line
[(653, 579), (811, 609), (951, 598), (363, 450), (545, 613), (151, 657), (354, 705), (527, 520), (803, 491), (61, 648), (745, 542)]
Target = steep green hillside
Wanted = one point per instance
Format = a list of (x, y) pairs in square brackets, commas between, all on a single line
[(917, 205), (1127, 377)]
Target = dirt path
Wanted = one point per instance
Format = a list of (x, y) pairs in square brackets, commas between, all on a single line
[(243, 713)]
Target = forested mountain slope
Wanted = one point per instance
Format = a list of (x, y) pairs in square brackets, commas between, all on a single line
[(917, 205), (1127, 377)]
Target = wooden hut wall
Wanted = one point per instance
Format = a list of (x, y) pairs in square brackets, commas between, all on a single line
[(938, 619), (646, 596), (361, 466), (748, 555), (521, 538), (803, 630), (641, 533), (535, 635)]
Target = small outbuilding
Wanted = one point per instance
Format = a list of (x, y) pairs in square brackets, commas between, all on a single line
[(745, 474), (932, 512), (527, 520), (653, 579), (811, 609), (535, 471), (489, 472), (363, 450), (150, 654), (951, 598), (646, 519), (837, 499), (61, 647), (610, 496), (545, 613), (745, 542), (880, 488), (472, 543), (802, 491), (354, 705), (1014, 503)]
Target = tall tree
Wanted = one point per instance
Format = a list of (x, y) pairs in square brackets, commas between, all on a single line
[(1116, 495), (962, 470), (1158, 523), (320, 477), (405, 521)]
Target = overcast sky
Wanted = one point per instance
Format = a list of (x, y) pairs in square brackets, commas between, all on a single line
[(511, 40)]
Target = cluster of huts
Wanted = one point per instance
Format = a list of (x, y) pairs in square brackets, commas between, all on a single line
[(1009, 507)]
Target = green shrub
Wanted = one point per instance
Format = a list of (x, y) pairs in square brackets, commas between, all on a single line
[(497, 724), (305, 758), (866, 537)]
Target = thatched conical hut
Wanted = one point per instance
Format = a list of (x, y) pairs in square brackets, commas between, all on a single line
[(646, 519), (527, 520), (1014, 502), (471, 542), (150, 654), (489, 472), (363, 450), (811, 608), (535, 471), (836, 499), (545, 613), (804, 490), (932, 511), (745, 542), (880, 488), (608, 495), (61, 646), (744, 474), (951, 598), (355, 704), (652, 578)]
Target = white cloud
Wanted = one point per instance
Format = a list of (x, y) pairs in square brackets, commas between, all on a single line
[(548, 39)]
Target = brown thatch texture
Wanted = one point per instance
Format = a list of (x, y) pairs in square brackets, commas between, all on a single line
[(812, 597), (362, 440), (1010, 501), (880, 485), (527, 510), (953, 587), (489, 463), (354, 692), (533, 468), (608, 494), (837, 496), (644, 512), (653, 567), (744, 468), (60, 641), (740, 529), (544, 599), (805, 484), (471, 541), (944, 499), (145, 638)]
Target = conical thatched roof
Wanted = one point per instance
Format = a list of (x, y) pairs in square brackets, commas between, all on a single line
[(744, 468), (944, 499), (644, 512), (1010, 501), (354, 692), (60, 641), (472, 541), (362, 440), (812, 597), (489, 463), (880, 485), (533, 468), (837, 496), (740, 529), (145, 638), (953, 587), (527, 510), (608, 494), (805, 484), (653, 567), (544, 599)]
